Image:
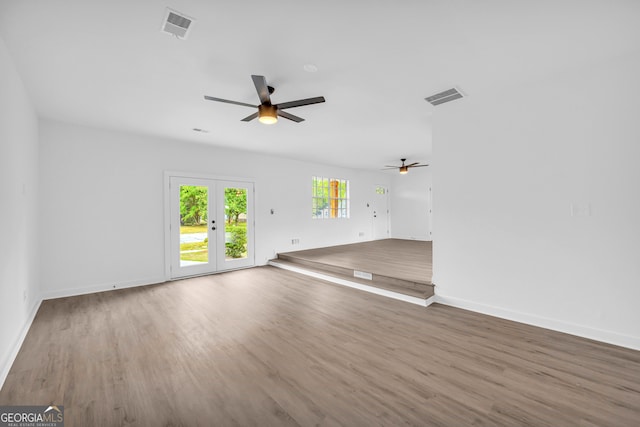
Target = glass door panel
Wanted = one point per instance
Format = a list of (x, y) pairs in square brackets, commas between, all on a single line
[(235, 225), (236, 200), (194, 238)]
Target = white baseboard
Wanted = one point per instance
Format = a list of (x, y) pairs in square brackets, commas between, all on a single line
[(609, 337), (72, 292), (371, 289), (5, 367)]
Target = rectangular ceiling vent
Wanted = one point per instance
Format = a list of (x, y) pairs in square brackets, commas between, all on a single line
[(177, 24), (446, 96)]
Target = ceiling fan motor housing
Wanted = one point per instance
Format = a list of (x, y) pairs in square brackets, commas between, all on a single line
[(267, 114)]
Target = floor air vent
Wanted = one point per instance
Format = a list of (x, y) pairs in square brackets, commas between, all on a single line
[(446, 96), (176, 24), (362, 275)]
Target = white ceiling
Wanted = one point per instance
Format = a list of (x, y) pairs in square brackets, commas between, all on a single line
[(106, 63)]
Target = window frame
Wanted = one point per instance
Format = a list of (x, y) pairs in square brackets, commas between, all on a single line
[(330, 198)]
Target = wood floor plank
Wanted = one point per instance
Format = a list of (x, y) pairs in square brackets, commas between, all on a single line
[(267, 347)]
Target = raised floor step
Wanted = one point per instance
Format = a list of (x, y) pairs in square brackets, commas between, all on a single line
[(407, 287)]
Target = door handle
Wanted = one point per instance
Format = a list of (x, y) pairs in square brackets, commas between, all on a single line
[(213, 228)]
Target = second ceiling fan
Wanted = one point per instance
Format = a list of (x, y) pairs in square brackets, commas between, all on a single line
[(268, 113), (405, 168)]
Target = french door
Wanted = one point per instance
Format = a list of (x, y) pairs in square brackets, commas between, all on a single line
[(211, 225)]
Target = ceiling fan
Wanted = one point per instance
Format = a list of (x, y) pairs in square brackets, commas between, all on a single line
[(405, 168), (267, 112)]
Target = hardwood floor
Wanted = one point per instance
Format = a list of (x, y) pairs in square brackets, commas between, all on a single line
[(268, 347), (402, 266)]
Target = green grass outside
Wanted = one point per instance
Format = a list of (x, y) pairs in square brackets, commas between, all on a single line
[(190, 229), (200, 256), (193, 246)]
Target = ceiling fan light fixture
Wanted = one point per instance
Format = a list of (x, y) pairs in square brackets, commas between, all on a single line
[(404, 170), (267, 114)]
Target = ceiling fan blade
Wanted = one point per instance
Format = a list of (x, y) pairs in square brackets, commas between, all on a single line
[(249, 118), (263, 90), (290, 116), (417, 166), (211, 98), (412, 164), (301, 102), (390, 167)]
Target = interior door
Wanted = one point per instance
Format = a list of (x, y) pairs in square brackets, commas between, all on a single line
[(211, 226), (380, 213)]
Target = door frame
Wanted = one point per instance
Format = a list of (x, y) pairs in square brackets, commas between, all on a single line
[(167, 211)]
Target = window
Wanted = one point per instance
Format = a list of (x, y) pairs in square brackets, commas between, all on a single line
[(330, 198)]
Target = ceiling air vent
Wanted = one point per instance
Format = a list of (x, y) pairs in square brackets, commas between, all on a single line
[(446, 96), (177, 24)]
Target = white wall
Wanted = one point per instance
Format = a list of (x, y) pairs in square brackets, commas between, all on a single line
[(410, 204), (18, 210), (507, 168), (103, 203)]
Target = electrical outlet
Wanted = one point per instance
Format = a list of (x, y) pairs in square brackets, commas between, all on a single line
[(295, 241)]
